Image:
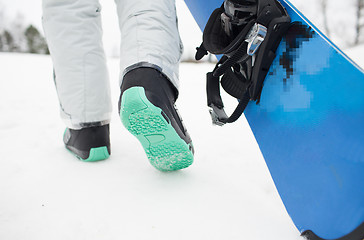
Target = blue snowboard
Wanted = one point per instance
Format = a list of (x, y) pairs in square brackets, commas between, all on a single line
[(310, 128)]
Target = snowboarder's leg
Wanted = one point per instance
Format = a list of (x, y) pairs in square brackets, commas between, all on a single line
[(150, 55), (149, 36), (74, 36)]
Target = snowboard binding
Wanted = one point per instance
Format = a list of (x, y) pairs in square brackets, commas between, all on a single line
[(247, 33)]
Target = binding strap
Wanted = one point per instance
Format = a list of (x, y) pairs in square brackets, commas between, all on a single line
[(214, 101)]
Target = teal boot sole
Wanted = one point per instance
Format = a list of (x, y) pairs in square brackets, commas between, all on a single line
[(165, 149), (96, 154)]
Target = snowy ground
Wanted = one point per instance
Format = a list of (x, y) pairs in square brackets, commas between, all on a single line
[(45, 193)]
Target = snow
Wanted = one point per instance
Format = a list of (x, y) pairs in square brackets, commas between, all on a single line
[(356, 54), (48, 194)]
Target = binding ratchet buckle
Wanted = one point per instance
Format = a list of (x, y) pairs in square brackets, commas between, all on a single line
[(218, 115), (255, 38)]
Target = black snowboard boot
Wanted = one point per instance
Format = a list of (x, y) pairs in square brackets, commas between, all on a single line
[(147, 110), (88, 144)]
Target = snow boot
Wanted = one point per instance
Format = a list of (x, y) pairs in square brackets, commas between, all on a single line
[(88, 144), (147, 110)]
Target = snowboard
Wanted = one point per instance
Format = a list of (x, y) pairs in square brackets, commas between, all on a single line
[(309, 126)]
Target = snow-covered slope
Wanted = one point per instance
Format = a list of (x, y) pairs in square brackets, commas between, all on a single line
[(45, 193)]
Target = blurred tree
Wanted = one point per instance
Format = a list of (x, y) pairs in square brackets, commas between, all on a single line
[(35, 41), (1, 43), (359, 28), (325, 17), (9, 44), (16, 28)]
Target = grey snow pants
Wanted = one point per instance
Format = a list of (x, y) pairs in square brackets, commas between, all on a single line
[(149, 36)]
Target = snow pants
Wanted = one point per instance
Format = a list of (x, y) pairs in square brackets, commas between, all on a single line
[(149, 37)]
